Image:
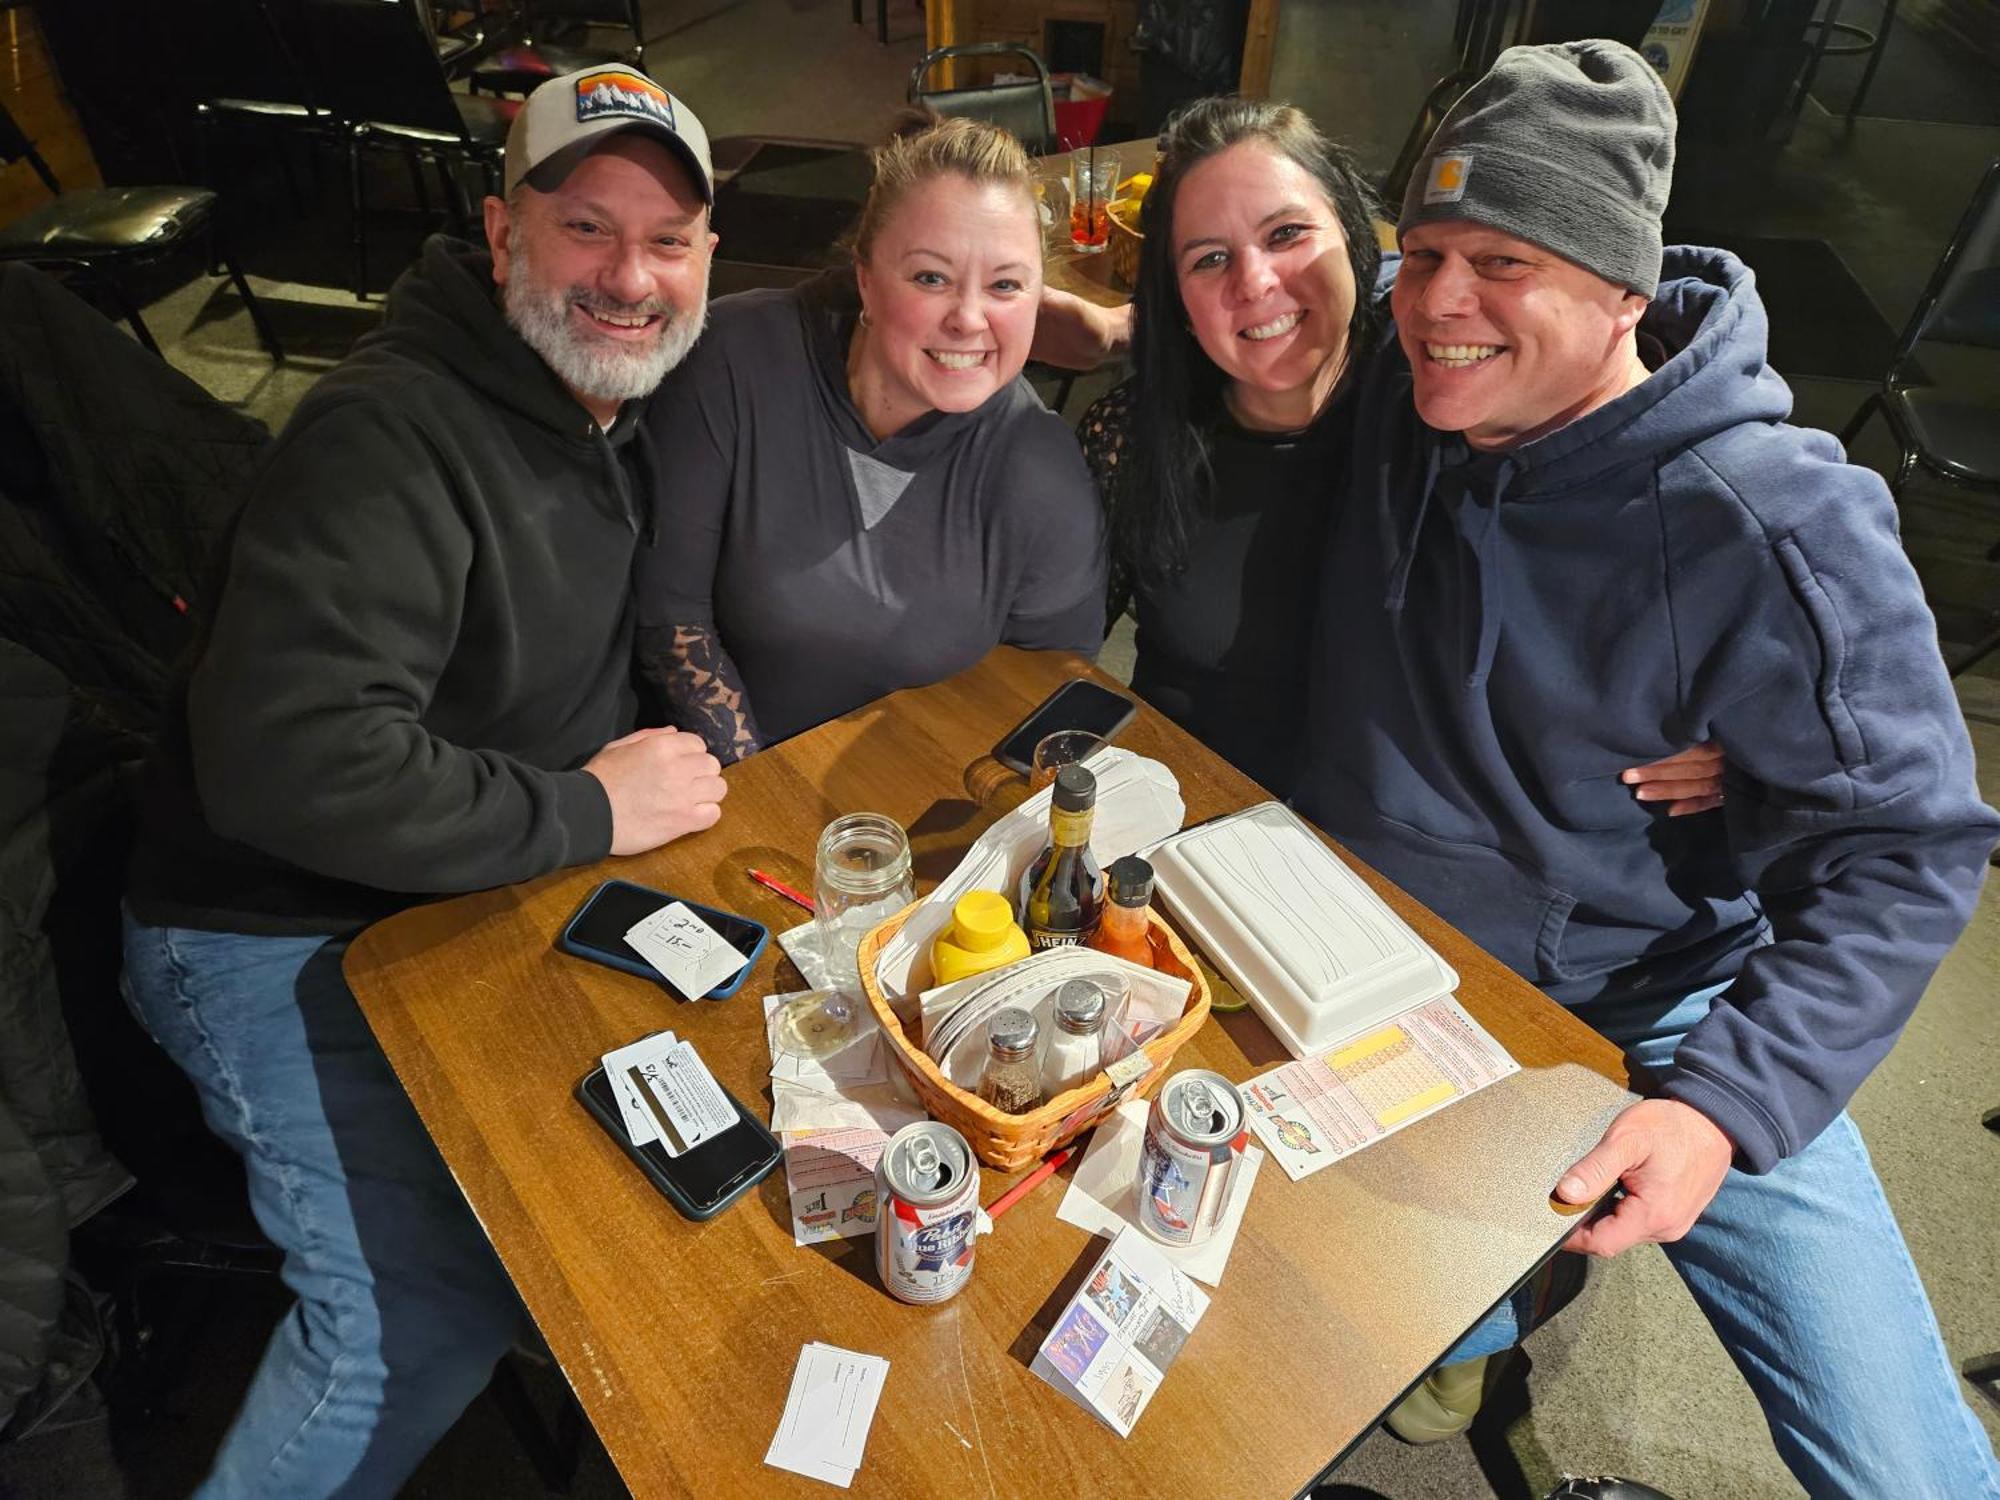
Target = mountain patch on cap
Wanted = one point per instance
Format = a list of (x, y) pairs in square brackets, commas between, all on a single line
[(603, 94)]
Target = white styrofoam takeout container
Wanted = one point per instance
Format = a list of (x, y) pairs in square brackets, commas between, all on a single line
[(1320, 957)]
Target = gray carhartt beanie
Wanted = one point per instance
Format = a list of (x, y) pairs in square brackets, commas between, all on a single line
[(1570, 146)]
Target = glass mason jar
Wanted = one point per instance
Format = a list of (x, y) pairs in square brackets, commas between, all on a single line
[(862, 877)]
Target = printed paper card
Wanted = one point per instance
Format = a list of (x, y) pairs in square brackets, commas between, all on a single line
[(830, 1175), (693, 956), (1116, 1339), (828, 1411), (666, 1093), (621, 1070), (1313, 1112)]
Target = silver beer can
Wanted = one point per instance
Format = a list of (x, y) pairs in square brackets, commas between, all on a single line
[(926, 1212), (1194, 1140)]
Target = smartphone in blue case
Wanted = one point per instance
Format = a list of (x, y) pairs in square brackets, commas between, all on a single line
[(597, 933)]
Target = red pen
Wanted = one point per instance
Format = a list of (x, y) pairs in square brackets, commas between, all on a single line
[(797, 898), (1029, 1183)]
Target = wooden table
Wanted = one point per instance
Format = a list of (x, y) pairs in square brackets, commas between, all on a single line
[(680, 1338), (1087, 274)]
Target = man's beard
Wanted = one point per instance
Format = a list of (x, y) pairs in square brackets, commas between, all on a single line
[(600, 368)]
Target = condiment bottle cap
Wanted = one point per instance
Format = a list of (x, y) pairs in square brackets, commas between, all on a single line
[(982, 919), (1076, 789), (1131, 881), (1012, 1034)]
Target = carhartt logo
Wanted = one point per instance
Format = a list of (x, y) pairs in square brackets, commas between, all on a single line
[(1447, 179)]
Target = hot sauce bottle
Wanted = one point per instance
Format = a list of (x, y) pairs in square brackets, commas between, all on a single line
[(1125, 928), (1062, 894)]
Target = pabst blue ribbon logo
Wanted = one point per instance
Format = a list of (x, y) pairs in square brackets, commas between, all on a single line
[(944, 1244)]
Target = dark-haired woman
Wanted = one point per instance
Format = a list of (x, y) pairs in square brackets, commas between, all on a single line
[(1218, 459), (1254, 298)]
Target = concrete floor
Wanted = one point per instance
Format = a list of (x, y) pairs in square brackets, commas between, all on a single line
[(1630, 1379)]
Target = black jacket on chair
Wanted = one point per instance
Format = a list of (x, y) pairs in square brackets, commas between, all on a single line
[(118, 481)]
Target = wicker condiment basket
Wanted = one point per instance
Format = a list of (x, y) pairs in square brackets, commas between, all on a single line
[(1125, 244), (1010, 1142)]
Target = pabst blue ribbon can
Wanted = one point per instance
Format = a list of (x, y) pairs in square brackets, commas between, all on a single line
[(926, 1210), (1194, 1139)]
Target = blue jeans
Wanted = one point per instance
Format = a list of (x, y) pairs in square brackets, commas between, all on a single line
[(1804, 1277), (403, 1309)]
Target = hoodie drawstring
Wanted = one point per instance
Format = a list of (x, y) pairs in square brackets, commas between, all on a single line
[(1486, 549), (1399, 574), (1486, 552)]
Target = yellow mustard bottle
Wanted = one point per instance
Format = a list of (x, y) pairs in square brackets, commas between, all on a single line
[(983, 935)]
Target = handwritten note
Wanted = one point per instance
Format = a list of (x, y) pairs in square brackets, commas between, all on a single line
[(693, 956)]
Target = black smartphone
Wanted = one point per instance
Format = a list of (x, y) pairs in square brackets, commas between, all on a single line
[(1077, 704), (597, 932), (700, 1182)]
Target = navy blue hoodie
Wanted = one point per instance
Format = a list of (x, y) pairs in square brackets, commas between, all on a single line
[(1502, 634)]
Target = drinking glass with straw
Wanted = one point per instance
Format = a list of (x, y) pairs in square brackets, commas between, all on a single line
[(1093, 182)]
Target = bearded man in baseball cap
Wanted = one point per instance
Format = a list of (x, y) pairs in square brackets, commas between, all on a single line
[(417, 682)]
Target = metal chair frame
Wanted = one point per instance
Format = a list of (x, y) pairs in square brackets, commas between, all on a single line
[(536, 14), (290, 107), (1479, 31), (917, 94), (99, 266), (374, 65), (1890, 399), (1866, 43)]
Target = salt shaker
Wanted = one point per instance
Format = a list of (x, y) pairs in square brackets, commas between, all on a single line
[(1074, 1044)]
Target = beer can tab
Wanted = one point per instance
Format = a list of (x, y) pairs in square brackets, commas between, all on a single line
[(1198, 1109)]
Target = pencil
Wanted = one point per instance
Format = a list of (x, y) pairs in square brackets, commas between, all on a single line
[(1029, 1183), (771, 884)]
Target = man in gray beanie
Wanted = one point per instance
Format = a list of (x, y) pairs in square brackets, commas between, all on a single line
[(1579, 534)]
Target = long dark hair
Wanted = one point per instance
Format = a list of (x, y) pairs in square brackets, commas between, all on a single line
[(1164, 483)]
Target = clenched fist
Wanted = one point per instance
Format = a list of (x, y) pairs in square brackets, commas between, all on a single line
[(662, 784)]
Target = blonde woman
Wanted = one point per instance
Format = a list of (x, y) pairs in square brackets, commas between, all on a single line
[(858, 492)]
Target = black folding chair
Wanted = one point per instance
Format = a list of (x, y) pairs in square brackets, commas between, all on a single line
[(1938, 396), (243, 72), (540, 56), (94, 234), (374, 67), (1027, 108)]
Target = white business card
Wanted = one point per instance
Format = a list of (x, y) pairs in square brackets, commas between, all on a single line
[(693, 956), (621, 1071), (691, 1104)]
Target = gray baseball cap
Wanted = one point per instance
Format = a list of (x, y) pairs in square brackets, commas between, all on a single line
[(566, 116)]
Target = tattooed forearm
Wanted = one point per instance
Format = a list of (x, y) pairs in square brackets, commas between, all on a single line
[(704, 694)]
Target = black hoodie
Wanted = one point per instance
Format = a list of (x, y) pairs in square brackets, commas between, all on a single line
[(424, 632)]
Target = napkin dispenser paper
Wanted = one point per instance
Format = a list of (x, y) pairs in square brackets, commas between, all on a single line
[(1317, 953)]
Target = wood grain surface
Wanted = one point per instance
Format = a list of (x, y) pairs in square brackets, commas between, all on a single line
[(680, 1338)]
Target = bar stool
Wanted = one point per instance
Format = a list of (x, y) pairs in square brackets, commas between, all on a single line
[(1866, 43)]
